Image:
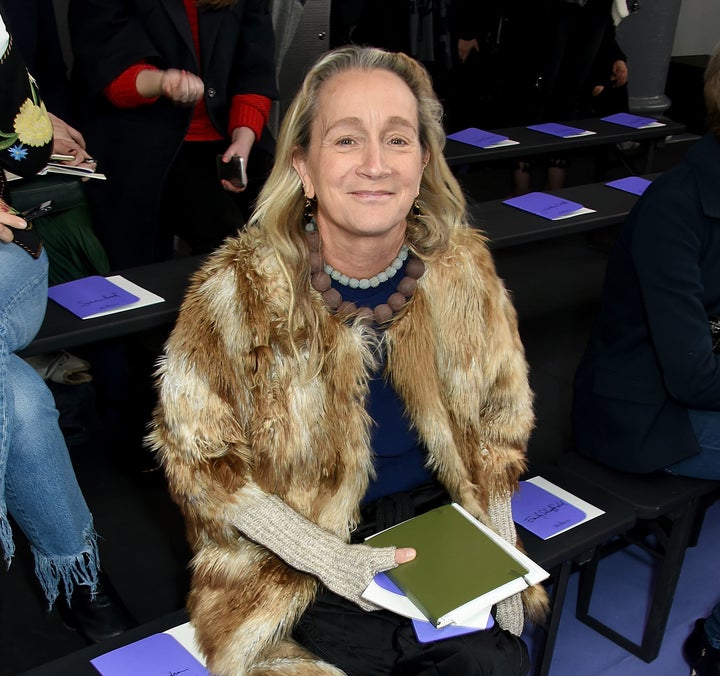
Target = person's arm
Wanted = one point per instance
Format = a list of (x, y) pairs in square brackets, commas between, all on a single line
[(26, 130), (507, 416), (202, 442), (344, 568), (248, 115), (668, 246), (107, 39)]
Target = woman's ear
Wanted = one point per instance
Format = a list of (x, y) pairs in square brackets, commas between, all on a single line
[(300, 165)]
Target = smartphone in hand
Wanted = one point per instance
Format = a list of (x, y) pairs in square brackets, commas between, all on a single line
[(233, 171)]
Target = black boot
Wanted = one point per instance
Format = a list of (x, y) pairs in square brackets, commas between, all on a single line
[(99, 617), (700, 655)]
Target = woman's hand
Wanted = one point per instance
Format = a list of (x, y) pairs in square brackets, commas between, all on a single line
[(69, 141), (464, 48), (181, 87), (6, 218), (242, 142), (404, 555), (620, 73)]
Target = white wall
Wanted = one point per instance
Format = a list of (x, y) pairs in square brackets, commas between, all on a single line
[(698, 29)]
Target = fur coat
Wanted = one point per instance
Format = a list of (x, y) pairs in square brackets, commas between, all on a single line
[(241, 408)]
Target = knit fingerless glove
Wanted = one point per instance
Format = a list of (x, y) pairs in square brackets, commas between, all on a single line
[(344, 568), (510, 613)]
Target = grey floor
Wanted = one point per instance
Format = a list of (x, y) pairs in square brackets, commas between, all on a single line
[(555, 286)]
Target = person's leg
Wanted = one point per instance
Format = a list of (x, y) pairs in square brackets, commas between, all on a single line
[(41, 490), (23, 295), (712, 627), (344, 635), (706, 464), (44, 498), (195, 206), (381, 642), (702, 648), (482, 653)]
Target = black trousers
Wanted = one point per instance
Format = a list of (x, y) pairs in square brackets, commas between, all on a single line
[(194, 204), (382, 643)]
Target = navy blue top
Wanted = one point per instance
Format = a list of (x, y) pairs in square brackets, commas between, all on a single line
[(399, 457)]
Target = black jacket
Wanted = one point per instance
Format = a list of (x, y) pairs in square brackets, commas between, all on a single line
[(650, 356), (135, 147)]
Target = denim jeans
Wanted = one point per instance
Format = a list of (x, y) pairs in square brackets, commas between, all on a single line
[(706, 464), (37, 481)]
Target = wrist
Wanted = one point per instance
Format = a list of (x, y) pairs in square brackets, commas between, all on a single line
[(149, 83)]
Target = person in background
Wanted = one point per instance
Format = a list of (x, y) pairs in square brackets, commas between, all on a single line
[(349, 360), (647, 390), (166, 89), (38, 487)]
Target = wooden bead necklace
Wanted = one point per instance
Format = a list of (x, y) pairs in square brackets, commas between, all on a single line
[(322, 276)]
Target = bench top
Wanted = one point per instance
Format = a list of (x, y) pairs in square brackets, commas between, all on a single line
[(61, 329), (507, 226), (532, 142)]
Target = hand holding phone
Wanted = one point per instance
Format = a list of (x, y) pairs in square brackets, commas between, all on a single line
[(232, 171), (35, 212), (27, 238)]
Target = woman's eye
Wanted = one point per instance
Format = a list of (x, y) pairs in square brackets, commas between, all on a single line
[(398, 141), (346, 142)]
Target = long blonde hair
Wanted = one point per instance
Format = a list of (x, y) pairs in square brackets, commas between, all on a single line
[(281, 203)]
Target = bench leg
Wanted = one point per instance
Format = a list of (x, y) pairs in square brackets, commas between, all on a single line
[(557, 599), (672, 544)]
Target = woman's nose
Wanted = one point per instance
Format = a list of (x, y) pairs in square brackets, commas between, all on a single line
[(374, 160)]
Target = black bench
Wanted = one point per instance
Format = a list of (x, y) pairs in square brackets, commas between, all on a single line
[(669, 512), (508, 226), (532, 142), (62, 330)]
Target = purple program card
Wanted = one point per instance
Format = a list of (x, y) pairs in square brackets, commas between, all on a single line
[(90, 295), (629, 120), (632, 184), (425, 631), (477, 137), (555, 129), (157, 654), (542, 204), (542, 512)]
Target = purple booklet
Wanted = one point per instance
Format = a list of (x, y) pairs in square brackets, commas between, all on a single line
[(425, 631), (542, 512), (634, 121), (90, 295), (542, 204), (632, 184), (156, 654), (561, 130), (477, 137)]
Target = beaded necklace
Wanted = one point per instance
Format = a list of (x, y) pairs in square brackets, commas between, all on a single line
[(322, 276)]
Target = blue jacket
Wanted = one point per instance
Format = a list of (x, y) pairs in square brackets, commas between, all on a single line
[(650, 357)]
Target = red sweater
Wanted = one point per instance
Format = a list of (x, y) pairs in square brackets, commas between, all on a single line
[(246, 110)]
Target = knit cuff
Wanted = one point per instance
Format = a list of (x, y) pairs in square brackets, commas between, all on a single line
[(510, 614), (249, 110), (344, 568), (122, 91)]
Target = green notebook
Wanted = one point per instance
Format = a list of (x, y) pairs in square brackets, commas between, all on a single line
[(460, 564)]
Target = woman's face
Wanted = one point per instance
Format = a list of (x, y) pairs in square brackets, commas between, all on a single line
[(364, 161)]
